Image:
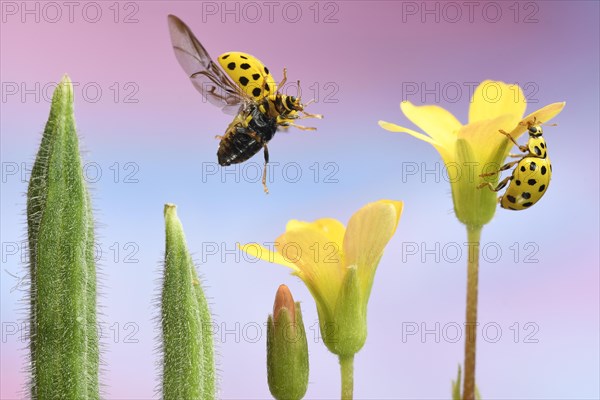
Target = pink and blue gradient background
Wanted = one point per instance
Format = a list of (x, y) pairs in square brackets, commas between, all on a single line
[(369, 53)]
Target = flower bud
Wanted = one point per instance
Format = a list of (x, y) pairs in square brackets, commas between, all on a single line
[(287, 348)]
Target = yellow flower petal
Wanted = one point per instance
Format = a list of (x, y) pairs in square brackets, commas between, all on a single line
[(388, 126), (258, 251), (543, 115), (493, 98), (485, 138), (368, 232), (318, 259), (333, 229), (435, 121), (446, 151)]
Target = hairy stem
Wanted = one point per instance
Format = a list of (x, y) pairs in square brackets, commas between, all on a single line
[(473, 234), (347, 368)]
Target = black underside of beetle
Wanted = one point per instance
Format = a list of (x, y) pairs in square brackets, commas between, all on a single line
[(246, 141)]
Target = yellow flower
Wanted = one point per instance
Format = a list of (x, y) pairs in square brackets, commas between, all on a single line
[(477, 147), (338, 265)]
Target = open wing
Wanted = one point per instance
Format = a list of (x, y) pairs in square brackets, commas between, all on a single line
[(206, 76)]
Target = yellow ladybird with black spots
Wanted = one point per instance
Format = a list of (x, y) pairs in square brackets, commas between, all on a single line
[(249, 73), (528, 183), (531, 176), (240, 85)]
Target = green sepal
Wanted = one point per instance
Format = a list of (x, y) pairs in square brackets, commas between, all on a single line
[(287, 355), (473, 207), (344, 331), (456, 387)]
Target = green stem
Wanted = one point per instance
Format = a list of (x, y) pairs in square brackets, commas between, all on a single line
[(347, 367), (473, 235)]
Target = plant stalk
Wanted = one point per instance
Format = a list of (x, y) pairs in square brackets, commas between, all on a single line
[(347, 369), (473, 235)]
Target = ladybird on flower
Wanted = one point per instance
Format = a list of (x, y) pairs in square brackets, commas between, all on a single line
[(479, 147)]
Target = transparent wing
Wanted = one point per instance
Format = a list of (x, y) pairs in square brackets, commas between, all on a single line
[(206, 76)]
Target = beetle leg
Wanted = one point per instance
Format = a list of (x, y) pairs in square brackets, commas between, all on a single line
[(301, 127), (528, 124), (309, 115), (266, 151), (502, 168), (264, 177), (501, 185), (524, 149), (280, 84)]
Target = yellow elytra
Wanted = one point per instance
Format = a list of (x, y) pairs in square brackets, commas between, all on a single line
[(531, 176), (249, 73)]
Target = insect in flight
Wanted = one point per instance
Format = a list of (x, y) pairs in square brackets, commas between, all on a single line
[(531, 176), (254, 99)]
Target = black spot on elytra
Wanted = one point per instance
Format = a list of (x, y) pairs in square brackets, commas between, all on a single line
[(537, 151), (256, 92), (225, 56), (531, 182), (244, 57), (528, 204), (231, 66), (543, 170), (550, 165), (511, 198), (532, 166), (245, 66), (542, 188), (542, 145), (266, 70), (267, 87), (244, 81), (523, 168), (526, 195), (518, 182), (255, 76)]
